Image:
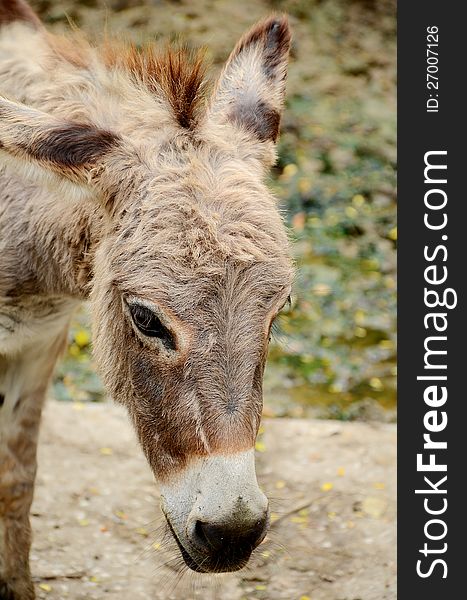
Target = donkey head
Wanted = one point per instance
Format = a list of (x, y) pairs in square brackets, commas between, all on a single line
[(190, 270)]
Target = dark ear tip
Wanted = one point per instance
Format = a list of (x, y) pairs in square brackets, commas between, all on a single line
[(277, 30), (277, 24), (274, 32)]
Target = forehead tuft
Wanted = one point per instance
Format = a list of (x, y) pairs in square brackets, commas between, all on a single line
[(178, 73)]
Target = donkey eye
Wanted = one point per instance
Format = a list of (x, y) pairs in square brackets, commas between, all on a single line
[(150, 325)]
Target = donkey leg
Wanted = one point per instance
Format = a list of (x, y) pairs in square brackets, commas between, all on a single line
[(23, 385), (17, 474)]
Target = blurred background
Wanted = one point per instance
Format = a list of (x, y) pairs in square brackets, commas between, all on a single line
[(333, 354)]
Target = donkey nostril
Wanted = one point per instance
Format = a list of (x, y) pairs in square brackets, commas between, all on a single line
[(223, 536), (209, 536), (200, 534)]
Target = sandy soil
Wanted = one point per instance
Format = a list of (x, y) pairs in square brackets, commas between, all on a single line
[(99, 532)]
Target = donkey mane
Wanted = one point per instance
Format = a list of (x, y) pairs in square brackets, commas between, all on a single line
[(176, 72)]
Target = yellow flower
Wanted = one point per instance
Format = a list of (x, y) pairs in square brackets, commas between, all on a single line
[(351, 212), (260, 446), (376, 384), (82, 338), (358, 200), (74, 350), (359, 317), (290, 170)]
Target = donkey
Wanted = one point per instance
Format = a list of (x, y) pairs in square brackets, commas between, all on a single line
[(125, 182)]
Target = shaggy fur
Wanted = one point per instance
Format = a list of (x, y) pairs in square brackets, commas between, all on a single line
[(130, 184)]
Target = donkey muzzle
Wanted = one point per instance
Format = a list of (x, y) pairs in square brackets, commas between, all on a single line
[(217, 513)]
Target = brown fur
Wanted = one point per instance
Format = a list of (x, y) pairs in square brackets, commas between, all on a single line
[(127, 186), (17, 10), (71, 146), (177, 74), (259, 119)]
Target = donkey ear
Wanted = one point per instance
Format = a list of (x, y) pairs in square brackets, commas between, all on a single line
[(250, 91), (43, 145)]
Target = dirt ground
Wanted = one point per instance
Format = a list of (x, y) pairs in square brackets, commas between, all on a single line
[(99, 534)]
